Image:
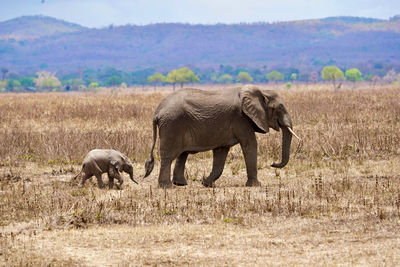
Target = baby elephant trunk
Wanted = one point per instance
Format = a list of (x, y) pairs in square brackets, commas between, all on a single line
[(131, 175)]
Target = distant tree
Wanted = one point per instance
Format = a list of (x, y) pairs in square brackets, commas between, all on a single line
[(288, 85), (74, 84), (256, 74), (390, 76), (187, 76), (333, 74), (274, 76), (212, 77), (225, 78), (93, 85), (368, 76), (47, 80), (173, 78), (114, 80), (3, 85), (107, 76), (353, 75), (13, 86), (156, 78), (181, 76), (226, 69), (244, 77), (3, 73), (293, 77), (314, 76), (140, 76), (27, 82)]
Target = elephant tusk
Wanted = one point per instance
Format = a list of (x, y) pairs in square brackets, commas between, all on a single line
[(300, 143), (292, 132)]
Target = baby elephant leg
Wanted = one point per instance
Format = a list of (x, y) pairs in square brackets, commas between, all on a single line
[(120, 181), (84, 177), (110, 181), (100, 183), (113, 173), (97, 172)]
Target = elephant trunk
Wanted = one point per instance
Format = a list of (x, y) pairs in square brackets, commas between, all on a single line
[(286, 141), (131, 176)]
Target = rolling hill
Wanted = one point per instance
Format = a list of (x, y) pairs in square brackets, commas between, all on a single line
[(307, 45), (32, 27)]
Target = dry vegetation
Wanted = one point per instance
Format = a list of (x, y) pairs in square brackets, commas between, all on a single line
[(337, 201)]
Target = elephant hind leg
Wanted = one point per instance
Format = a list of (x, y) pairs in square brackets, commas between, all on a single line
[(219, 157), (178, 176), (84, 177), (164, 179)]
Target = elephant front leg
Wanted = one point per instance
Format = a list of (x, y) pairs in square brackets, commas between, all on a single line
[(110, 181), (178, 176), (219, 157), (114, 173), (164, 179), (249, 149), (120, 181)]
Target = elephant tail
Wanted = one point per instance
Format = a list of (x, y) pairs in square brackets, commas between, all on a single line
[(149, 165)]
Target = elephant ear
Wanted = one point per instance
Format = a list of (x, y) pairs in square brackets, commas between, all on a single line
[(116, 164), (254, 106)]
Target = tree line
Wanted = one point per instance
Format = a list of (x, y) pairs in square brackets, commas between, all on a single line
[(89, 79)]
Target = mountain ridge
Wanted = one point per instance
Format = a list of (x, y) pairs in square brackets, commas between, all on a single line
[(304, 44)]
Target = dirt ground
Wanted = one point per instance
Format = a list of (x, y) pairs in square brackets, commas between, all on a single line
[(275, 241), (256, 238)]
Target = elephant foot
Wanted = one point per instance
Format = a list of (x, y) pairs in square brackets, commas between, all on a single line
[(207, 183), (118, 186), (165, 184), (179, 181), (179, 184), (253, 183)]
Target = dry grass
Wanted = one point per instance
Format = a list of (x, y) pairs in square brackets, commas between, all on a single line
[(337, 201)]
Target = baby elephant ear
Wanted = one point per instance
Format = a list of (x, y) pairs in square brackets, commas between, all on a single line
[(254, 106), (116, 164)]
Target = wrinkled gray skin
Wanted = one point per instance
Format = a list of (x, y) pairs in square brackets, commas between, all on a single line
[(99, 161), (192, 120)]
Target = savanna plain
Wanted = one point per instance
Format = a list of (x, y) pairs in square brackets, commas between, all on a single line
[(337, 202)]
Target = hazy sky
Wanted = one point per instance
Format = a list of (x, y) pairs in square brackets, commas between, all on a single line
[(99, 13)]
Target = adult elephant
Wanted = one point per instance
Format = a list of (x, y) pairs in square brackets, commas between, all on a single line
[(192, 120)]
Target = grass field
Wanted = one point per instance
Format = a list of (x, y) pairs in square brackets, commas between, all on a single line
[(336, 202)]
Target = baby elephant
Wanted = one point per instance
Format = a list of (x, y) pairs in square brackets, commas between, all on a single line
[(99, 161)]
